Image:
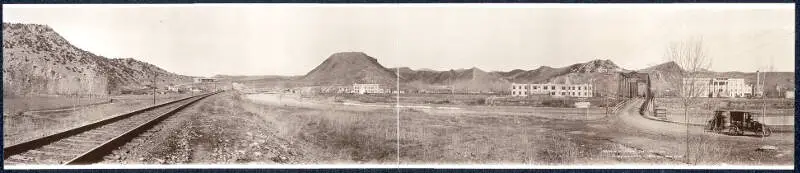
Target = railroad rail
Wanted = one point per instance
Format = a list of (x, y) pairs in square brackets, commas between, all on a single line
[(90, 143)]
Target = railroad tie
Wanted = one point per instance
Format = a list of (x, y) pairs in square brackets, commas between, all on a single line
[(54, 148), (83, 141)]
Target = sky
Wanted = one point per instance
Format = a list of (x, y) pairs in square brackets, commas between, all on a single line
[(281, 39)]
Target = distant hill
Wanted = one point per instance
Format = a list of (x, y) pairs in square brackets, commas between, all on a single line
[(665, 77), (545, 74), (241, 78), (477, 80), (37, 60), (462, 80), (346, 68)]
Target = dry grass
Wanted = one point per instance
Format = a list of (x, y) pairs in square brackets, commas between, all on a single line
[(334, 134), (713, 150), (341, 134), (367, 135), (357, 139), (16, 105), (705, 150), (488, 139)]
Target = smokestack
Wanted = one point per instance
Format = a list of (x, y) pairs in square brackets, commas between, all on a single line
[(758, 77), (757, 86)]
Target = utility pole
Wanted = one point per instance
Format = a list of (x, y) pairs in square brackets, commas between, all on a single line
[(154, 86), (764, 109)]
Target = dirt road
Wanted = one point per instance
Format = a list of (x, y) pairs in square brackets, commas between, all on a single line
[(704, 147)]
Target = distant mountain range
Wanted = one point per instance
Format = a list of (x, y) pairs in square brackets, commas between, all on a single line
[(37, 60), (346, 68), (356, 67)]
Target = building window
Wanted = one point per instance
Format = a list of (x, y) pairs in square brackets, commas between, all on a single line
[(534, 87)]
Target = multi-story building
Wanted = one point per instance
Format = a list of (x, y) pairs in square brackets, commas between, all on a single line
[(367, 88), (716, 87), (570, 90)]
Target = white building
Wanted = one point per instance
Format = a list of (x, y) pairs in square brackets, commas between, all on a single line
[(570, 90), (716, 87), (204, 80), (172, 88), (367, 88)]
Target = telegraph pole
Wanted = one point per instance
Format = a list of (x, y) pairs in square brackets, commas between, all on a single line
[(154, 86), (764, 109)]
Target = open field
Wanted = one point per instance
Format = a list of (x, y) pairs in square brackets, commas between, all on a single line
[(234, 128), (467, 99), (17, 105), (28, 125)]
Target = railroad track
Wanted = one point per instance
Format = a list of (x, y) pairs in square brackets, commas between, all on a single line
[(89, 143)]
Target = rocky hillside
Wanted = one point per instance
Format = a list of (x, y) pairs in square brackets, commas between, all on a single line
[(664, 77), (37, 60), (545, 74), (131, 74), (346, 68)]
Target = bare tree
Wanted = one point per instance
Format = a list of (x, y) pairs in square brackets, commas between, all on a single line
[(691, 56), (603, 90)]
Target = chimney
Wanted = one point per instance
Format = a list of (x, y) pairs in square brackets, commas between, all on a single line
[(758, 77), (757, 87)]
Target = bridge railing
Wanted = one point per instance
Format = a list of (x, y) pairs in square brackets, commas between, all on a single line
[(647, 105), (619, 106)]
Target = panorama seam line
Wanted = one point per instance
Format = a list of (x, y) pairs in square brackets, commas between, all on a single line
[(397, 112)]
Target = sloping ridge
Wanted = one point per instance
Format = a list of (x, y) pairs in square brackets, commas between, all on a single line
[(477, 80), (37, 60), (545, 74)]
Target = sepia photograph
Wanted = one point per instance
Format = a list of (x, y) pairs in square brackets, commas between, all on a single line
[(631, 86)]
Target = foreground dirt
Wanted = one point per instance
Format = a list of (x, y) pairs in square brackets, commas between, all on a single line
[(209, 131)]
